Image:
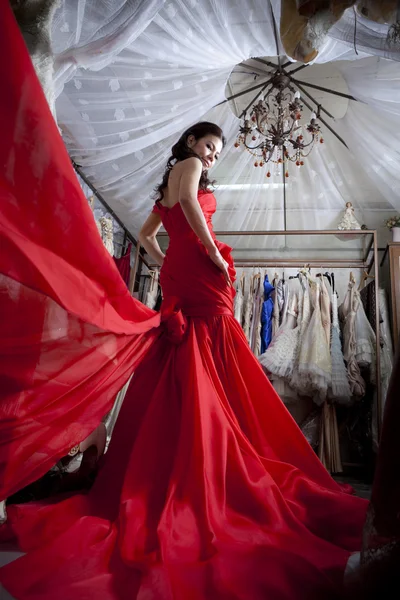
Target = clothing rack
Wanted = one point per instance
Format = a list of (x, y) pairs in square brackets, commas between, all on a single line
[(101, 199), (292, 264), (127, 235), (368, 262)]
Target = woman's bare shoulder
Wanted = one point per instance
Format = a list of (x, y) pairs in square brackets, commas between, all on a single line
[(193, 162)]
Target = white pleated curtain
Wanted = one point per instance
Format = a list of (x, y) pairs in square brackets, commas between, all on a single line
[(134, 75)]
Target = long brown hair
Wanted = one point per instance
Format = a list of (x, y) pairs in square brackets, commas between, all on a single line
[(181, 151)]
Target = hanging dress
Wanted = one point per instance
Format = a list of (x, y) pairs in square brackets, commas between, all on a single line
[(339, 390), (365, 338), (276, 308), (315, 369), (257, 308), (207, 480), (347, 312), (239, 299), (267, 315), (107, 234), (279, 357), (295, 379), (254, 297), (151, 296), (328, 451), (247, 310)]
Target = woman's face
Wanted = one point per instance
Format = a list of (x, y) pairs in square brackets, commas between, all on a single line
[(207, 147)]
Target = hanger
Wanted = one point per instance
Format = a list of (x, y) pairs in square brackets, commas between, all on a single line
[(333, 282), (364, 278), (351, 277), (306, 271), (329, 278)]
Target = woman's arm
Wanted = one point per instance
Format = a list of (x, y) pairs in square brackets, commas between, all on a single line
[(188, 191), (147, 237)]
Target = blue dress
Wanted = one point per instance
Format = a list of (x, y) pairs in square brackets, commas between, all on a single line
[(266, 315)]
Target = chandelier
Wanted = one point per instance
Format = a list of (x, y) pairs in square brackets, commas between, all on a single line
[(271, 128)]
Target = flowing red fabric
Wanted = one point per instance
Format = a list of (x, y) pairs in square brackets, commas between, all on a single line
[(208, 491), (70, 331), (124, 265)]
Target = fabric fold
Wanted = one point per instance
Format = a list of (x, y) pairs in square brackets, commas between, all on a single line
[(71, 332)]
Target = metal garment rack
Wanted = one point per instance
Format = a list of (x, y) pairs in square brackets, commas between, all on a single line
[(139, 259), (369, 262)]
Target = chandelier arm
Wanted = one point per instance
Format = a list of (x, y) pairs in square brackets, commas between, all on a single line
[(323, 89), (319, 106), (292, 128), (305, 155), (253, 147), (313, 140), (327, 126), (255, 97)]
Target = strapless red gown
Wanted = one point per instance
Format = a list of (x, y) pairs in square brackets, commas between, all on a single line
[(209, 491)]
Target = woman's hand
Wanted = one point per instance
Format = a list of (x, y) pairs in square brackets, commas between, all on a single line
[(222, 265)]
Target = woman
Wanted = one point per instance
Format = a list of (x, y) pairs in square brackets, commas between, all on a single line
[(208, 490)]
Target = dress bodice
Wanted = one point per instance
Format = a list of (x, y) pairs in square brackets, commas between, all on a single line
[(188, 273), (174, 220)]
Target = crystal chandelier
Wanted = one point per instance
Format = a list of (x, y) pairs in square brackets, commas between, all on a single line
[(271, 128)]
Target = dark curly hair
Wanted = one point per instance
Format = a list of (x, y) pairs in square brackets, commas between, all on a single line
[(181, 151)]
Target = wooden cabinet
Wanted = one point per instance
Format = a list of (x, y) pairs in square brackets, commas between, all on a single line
[(392, 260)]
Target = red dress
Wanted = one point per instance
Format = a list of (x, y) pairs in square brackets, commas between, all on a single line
[(209, 491)]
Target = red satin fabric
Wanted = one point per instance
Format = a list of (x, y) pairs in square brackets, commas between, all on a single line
[(209, 490), (123, 264), (70, 331)]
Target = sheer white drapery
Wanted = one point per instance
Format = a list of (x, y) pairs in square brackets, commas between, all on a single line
[(89, 34), (157, 75)]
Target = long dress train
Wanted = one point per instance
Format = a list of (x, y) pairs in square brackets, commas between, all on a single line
[(208, 490)]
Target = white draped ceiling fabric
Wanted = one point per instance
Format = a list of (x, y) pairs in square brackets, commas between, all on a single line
[(132, 75)]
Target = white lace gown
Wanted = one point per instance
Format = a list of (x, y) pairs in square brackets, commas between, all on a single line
[(280, 355), (107, 234), (151, 297), (247, 311), (295, 379), (339, 390), (238, 305), (315, 367), (348, 312)]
